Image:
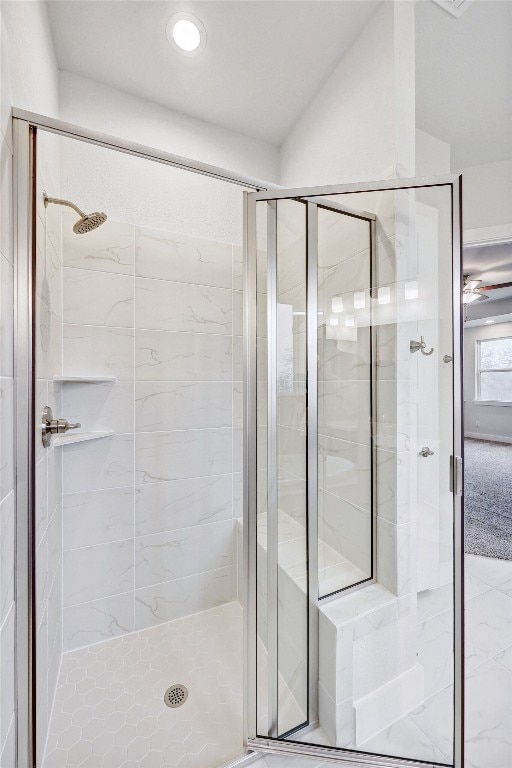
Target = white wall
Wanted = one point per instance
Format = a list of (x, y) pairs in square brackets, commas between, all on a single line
[(28, 78), (488, 195), (360, 126), (432, 155), (99, 107), (488, 421)]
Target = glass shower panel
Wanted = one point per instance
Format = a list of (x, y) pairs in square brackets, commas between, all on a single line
[(381, 628), (282, 584), (345, 440), (139, 340)]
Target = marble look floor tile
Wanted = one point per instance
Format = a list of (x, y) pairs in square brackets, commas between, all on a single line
[(488, 622), (404, 739), (109, 702)]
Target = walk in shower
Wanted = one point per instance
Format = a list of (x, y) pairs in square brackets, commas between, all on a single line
[(254, 423), (137, 433)]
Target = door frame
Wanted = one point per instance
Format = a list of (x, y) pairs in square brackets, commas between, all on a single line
[(274, 745), (25, 126)]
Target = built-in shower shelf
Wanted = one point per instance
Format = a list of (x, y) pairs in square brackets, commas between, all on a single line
[(84, 379), (79, 437)]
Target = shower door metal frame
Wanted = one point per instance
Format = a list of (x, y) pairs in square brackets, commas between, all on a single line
[(308, 194), (24, 127)]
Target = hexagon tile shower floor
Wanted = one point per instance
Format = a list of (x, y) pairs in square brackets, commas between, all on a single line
[(109, 707)]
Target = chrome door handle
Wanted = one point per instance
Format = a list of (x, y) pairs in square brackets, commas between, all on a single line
[(425, 451), (51, 426)]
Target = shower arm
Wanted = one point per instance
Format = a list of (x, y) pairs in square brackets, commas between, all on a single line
[(58, 201)]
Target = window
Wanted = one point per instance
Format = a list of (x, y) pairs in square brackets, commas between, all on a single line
[(494, 369)]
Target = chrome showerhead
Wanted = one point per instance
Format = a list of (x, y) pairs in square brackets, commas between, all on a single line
[(87, 221)]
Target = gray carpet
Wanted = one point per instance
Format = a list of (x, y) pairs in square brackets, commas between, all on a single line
[(488, 498)]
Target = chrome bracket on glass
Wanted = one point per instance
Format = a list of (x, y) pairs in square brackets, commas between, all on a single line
[(51, 426)]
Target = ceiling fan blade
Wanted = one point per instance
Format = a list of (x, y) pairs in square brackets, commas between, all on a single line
[(493, 287)]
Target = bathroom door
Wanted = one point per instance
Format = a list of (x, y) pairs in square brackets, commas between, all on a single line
[(353, 471)]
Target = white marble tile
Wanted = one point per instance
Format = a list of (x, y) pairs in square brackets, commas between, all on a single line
[(6, 317), (345, 470), (238, 358), (238, 313), (174, 554), (185, 259), (7, 551), (53, 276), (495, 573), (433, 602), (98, 351), (8, 756), (110, 248), (292, 450), (405, 739), (488, 624), (100, 571), (182, 597), (98, 464), (42, 713), (342, 360), (340, 237), (347, 529), (54, 479), (181, 503), (7, 691), (100, 406), (489, 716), (171, 356), (435, 654), (97, 620), (343, 278), (344, 409), (6, 437), (98, 298), (97, 517), (54, 545), (164, 406), (178, 455), (41, 499), (167, 306)]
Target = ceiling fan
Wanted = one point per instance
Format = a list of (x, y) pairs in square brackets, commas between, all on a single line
[(471, 292)]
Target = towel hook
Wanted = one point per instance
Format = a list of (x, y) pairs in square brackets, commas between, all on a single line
[(416, 346)]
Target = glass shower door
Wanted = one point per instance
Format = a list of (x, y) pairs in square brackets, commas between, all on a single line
[(353, 496)]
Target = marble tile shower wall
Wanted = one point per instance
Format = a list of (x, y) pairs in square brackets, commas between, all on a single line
[(7, 728), (149, 512)]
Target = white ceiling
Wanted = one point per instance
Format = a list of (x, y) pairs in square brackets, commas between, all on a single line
[(464, 79), (263, 63)]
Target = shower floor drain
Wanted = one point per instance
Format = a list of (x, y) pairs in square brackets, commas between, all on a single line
[(176, 695)]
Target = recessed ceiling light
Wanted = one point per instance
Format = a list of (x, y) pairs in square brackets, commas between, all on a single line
[(186, 34)]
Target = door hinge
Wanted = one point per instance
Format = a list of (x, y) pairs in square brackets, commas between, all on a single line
[(456, 475)]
